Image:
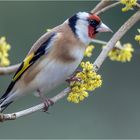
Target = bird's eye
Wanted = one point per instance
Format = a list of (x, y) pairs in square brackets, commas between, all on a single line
[(93, 22)]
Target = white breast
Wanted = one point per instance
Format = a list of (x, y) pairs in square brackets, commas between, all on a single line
[(78, 53), (56, 72)]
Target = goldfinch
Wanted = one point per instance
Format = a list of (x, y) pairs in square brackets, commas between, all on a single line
[(53, 57)]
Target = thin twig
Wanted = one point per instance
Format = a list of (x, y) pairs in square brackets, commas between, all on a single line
[(138, 5), (99, 41), (101, 5), (9, 69), (101, 58), (107, 7)]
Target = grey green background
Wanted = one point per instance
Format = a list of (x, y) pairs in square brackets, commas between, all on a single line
[(113, 111)]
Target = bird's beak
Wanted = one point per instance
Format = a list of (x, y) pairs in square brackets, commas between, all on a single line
[(103, 28)]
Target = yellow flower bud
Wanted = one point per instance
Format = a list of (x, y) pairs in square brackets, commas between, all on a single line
[(90, 80), (88, 51), (122, 53), (129, 4), (4, 48)]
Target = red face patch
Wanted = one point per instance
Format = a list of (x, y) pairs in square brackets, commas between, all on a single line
[(91, 33), (94, 20)]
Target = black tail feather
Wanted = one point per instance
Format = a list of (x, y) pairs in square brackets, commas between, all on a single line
[(1, 100), (3, 107)]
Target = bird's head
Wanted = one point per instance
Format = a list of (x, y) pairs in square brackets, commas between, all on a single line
[(86, 25)]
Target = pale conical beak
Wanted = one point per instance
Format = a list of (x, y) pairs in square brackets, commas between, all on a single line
[(103, 28)]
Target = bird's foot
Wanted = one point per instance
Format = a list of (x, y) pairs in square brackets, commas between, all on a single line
[(47, 103), (73, 79)]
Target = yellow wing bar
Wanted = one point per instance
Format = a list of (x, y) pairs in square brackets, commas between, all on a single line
[(26, 64)]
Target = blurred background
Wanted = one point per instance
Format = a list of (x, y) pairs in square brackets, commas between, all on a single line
[(112, 111)]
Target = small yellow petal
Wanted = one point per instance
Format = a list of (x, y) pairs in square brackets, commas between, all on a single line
[(4, 48), (89, 50), (129, 4), (90, 80), (122, 53)]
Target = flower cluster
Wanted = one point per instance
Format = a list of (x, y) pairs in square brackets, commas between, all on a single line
[(137, 37), (89, 50), (121, 53), (4, 48), (89, 81), (128, 4)]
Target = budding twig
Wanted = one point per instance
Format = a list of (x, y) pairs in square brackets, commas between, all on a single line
[(117, 36)]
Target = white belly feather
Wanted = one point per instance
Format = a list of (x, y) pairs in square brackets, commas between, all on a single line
[(55, 72)]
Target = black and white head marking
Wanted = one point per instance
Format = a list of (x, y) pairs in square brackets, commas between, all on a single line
[(79, 25)]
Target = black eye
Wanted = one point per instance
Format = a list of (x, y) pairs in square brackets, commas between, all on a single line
[(93, 22)]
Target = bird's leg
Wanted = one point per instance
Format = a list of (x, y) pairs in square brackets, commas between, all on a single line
[(47, 102), (73, 77)]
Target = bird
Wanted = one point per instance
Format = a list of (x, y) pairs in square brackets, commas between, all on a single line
[(53, 58)]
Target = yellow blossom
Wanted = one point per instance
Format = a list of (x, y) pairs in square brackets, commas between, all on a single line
[(128, 4), (90, 80), (88, 51), (4, 48), (121, 53), (137, 37)]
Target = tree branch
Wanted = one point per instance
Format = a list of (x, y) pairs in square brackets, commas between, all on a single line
[(107, 8), (9, 69), (117, 36), (98, 62), (101, 5), (13, 116)]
